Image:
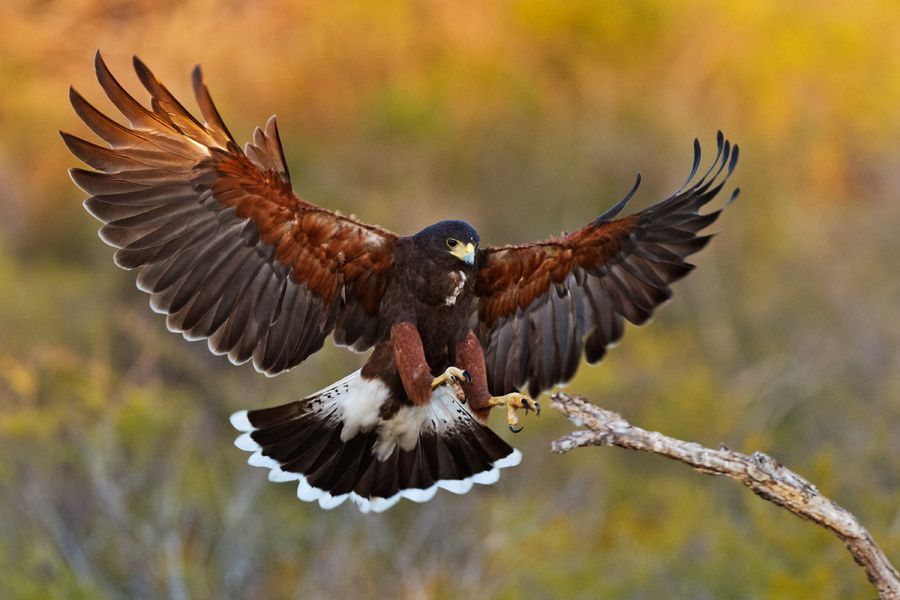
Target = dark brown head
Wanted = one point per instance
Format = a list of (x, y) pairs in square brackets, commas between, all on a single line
[(450, 244)]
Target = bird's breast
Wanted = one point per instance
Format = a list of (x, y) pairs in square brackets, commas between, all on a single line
[(458, 281)]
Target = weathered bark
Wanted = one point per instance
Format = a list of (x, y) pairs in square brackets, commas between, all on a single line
[(764, 475)]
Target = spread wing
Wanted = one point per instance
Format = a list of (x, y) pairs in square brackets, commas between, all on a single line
[(223, 245), (540, 305)]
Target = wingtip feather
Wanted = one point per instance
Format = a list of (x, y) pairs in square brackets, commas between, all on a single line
[(144, 73), (614, 210), (735, 152), (79, 177), (100, 65), (734, 196)]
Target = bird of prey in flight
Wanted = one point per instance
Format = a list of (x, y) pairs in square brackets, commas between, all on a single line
[(231, 254)]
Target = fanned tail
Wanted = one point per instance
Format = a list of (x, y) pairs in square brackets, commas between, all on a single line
[(337, 446)]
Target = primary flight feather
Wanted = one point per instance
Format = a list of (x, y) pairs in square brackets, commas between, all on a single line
[(231, 254)]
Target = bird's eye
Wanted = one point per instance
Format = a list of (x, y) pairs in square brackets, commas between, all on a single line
[(451, 243)]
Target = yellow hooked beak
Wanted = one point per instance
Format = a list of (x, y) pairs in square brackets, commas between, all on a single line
[(465, 253)]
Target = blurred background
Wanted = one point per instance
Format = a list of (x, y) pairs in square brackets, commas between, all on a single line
[(118, 477)]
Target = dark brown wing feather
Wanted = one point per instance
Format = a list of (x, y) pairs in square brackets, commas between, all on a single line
[(542, 304), (224, 246)]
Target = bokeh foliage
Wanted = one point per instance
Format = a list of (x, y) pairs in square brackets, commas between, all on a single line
[(524, 117)]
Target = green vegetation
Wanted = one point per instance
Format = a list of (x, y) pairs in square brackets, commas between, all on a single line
[(118, 476)]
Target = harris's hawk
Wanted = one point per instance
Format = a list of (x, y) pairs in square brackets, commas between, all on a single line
[(231, 254)]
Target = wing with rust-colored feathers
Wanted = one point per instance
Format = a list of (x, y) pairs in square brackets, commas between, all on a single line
[(542, 304), (224, 246)]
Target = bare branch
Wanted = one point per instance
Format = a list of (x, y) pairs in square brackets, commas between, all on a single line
[(764, 475)]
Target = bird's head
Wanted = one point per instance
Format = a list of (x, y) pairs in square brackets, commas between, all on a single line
[(451, 239)]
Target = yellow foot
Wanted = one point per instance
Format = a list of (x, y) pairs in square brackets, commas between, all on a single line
[(514, 402), (451, 375)]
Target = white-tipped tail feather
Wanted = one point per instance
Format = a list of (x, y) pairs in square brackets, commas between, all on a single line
[(337, 446)]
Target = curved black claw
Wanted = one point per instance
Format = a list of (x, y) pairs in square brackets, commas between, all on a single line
[(468, 377), (514, 430), (531, 405)]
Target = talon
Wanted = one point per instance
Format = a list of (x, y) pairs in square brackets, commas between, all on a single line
[(467, 377), (451, 375), (528, 404), (513, 402)]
